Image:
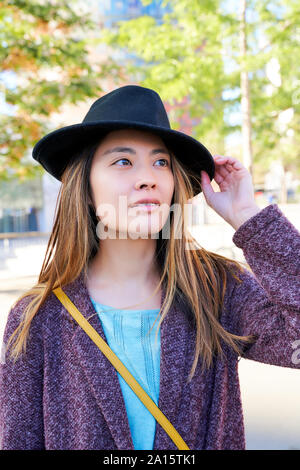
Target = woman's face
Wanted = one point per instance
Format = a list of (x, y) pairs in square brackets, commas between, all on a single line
[(130, 165)]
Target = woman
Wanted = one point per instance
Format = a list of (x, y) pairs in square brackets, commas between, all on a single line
[(111, 255)]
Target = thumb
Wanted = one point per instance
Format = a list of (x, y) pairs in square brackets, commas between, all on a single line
[(207, 188)]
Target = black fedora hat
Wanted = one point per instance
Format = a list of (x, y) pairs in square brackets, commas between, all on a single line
[(129, 106)]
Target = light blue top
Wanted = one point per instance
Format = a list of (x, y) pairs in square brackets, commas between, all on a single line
[(127, 334)]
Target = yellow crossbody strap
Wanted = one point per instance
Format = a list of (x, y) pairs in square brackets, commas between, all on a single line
[(123, 371)]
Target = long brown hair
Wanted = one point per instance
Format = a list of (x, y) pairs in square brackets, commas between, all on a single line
[(198, 275)]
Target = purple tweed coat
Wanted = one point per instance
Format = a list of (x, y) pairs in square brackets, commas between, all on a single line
[(65, 394)]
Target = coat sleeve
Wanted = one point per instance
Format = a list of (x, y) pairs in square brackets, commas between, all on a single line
[(21, 388), (267, 303)]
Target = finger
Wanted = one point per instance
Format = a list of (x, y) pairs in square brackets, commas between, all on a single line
[(223, 171), (220, 159), (221, 165), (228, 161), (206, 186), (218, 178), (226, 169)]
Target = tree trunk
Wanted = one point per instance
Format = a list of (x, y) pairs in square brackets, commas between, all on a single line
[(245, 92), (283, 189)]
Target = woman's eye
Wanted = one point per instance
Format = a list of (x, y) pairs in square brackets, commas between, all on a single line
[(122, 159), (161, 159), (164, 160)]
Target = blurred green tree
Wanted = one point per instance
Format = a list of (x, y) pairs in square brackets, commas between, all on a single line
[(275, 86), (220, 59), (44, 48), (181, 57)]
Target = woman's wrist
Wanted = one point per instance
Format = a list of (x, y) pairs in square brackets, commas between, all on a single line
[(244, 215)]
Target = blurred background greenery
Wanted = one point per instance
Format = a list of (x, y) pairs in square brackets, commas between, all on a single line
[(228, 72)]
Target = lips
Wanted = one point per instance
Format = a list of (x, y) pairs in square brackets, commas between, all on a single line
[(145, 208), (146, 201)]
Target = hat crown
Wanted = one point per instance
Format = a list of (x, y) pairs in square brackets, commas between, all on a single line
[(130, 103), (130, 106)]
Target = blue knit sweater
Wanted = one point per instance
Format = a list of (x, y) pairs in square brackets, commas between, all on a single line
[(128, 335)]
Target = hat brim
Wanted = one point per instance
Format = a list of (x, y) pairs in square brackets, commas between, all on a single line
[(55, 150)]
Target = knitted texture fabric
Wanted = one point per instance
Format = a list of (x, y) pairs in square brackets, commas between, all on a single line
[(65, 394)]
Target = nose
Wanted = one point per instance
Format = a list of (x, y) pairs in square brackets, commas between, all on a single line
[(145, 184), (146, 179)]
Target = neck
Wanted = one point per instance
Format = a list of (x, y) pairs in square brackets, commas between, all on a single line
[(125, 262)]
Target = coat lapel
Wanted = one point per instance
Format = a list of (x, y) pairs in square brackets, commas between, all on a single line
[(103, 377), (174, 342)]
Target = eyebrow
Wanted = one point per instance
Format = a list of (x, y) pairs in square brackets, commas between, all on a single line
[(133, 152)]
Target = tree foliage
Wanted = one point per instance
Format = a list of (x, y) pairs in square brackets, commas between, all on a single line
[(44, 48), (182, 56), (190, 56), (193, 53)]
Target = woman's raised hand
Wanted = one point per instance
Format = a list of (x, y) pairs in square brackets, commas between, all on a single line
[(235, 201)]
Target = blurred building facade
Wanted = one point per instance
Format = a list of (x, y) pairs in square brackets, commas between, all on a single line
[(21, 206)]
